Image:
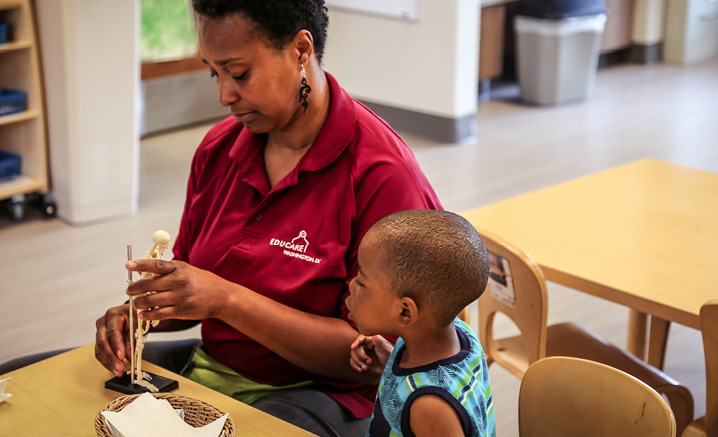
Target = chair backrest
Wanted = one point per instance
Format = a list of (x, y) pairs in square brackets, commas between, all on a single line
[(709, 328), (512, 268), (563, 396)]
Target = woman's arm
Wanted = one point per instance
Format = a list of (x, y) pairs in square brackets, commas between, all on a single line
[(315, 343)]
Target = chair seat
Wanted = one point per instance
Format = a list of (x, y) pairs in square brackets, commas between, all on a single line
[(572, 340), (697, 428), (512, 355)]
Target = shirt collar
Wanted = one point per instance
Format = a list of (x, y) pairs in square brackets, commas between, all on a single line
[(334, 136)]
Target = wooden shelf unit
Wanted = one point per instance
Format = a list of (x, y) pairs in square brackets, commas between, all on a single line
[(23, 133), (16, 45)]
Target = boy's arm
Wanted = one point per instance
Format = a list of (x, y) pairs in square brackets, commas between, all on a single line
[(431, 416)]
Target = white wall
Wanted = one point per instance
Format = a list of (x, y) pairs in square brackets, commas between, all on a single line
[(91, 74), (429, 65)]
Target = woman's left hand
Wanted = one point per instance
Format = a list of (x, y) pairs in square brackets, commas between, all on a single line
[(182, 291)]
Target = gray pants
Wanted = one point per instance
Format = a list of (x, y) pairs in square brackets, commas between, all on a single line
[(304, 407)]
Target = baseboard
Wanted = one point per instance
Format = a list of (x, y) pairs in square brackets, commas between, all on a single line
[(179, 100), (614, 57), (186, 99), (642, 54), (442, 129)]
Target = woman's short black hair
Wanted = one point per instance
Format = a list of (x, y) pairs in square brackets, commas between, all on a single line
[(279, 19)]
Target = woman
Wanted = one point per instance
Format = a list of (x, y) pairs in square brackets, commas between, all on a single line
[(278, 199)]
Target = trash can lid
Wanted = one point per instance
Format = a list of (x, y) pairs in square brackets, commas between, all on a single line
[(558, 9)]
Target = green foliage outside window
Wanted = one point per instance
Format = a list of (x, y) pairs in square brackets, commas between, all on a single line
[(168, 30)]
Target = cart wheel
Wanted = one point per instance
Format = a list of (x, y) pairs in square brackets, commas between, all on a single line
[(49, 209), (17, 209)]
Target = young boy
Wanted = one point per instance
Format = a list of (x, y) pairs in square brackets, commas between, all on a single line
[(417, 271)]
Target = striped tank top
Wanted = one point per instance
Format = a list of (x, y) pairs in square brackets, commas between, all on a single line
[(462, 381)]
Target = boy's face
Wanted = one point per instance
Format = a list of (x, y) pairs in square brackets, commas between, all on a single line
[(371, 301)]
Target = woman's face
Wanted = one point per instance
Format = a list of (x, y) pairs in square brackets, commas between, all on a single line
[(259, 83)]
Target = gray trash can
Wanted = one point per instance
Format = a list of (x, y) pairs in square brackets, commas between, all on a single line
[(557, 43)]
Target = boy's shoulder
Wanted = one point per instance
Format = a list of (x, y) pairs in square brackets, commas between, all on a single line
[(462, 381)]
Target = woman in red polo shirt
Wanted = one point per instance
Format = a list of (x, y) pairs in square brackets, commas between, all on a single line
[(279, 196)]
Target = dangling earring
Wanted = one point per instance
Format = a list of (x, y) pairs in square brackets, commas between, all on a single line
[(304, 90)]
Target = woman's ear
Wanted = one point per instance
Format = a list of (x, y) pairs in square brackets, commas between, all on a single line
[(304, 44), (409, 312)]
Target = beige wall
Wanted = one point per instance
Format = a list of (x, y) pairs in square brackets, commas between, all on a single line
[(648, 22), (91, 73), (429, 65)]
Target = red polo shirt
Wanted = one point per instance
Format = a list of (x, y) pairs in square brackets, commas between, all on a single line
[(297, 242)]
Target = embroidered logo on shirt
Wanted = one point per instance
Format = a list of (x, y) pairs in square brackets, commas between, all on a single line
[(297, 248)]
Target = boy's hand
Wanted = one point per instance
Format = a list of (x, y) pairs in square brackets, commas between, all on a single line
[(370, 353)]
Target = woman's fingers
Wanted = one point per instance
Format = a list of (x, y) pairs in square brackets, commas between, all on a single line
[(151, 265), (180, 291), (115, 333), (144, 285), (162, 313), (103, 351), (110, 341), (159, 299)]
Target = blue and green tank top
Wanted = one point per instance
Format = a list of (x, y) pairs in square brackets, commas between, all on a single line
[(462, 381)]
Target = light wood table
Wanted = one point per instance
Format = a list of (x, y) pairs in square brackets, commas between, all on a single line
[(644, 235), (62, 395)]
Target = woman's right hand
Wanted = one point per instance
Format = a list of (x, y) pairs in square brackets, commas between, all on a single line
[(112, 339)]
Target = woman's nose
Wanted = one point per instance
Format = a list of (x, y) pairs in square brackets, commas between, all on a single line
[(227, 93)]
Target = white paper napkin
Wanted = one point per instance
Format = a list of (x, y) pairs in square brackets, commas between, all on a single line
[(3, 395), (149, 416)]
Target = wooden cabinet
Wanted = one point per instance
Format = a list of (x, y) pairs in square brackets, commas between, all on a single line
[(619, 24), (491, 41), (23, 133)]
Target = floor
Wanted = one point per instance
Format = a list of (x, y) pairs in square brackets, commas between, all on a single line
[(58, 279)]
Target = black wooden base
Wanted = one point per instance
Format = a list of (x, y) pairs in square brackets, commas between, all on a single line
[(122, 384)]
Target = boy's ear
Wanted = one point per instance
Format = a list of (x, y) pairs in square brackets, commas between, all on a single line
[(409, 312)]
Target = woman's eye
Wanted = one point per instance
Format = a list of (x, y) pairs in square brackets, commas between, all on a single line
[(359, 283), (240, 77), (212, 74)]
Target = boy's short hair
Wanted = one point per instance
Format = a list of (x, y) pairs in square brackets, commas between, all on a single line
[(434, 257)]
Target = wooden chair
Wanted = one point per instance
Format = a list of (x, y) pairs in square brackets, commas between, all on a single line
[(537, 340), (708, 425), (563, 396)]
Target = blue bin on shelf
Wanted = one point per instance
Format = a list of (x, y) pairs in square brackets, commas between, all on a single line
[(9, 165), (12, 101), (3, 32)]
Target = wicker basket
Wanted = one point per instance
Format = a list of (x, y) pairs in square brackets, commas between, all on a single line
[(196, 413)]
